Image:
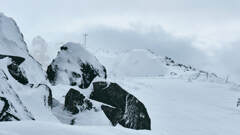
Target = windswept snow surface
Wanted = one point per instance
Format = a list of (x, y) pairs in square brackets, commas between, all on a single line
[(46, 128), (176, 107)]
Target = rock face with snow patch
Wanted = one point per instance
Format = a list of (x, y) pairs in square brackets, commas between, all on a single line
[(76, 102), (5, 115), (14, 69), (74, 65), (123, 108), (177, 70), (12, 44), (11, 107), (21, 96)]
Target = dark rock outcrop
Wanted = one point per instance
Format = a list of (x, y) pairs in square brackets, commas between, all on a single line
[(14, 69), (11, 106), (4, 114), (52, 73), (10, 111), (17, 73), (88, 74), (76, 102), (74, 66), (126, 109), (113, 114), (16, 59)]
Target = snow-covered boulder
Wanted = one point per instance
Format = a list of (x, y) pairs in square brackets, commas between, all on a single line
[(76, 102), (11, 107), (10, 33), (74, 65), (123, 108), (12, 43), (23, 96), (74, 107), (20, 101)]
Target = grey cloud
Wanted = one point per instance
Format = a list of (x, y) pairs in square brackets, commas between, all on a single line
[(46, 17), (214, 20), (156, 39), (228, 57)]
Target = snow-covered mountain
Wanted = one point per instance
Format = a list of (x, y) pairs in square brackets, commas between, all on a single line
[(146, 63), (89, 91)]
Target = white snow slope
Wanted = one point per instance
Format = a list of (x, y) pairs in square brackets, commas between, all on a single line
[(176, 107), (146, 63), (137, 63)]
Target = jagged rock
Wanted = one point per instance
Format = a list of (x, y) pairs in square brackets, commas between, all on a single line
[(113, 114), (12, 45), (17, 60), (74, 65), (11, 107), (76, 102), (17, 73), (4, 114), (14, 69), (17, 65), (126, 109)]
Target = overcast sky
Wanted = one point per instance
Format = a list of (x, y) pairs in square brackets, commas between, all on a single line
[(204, 33)]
